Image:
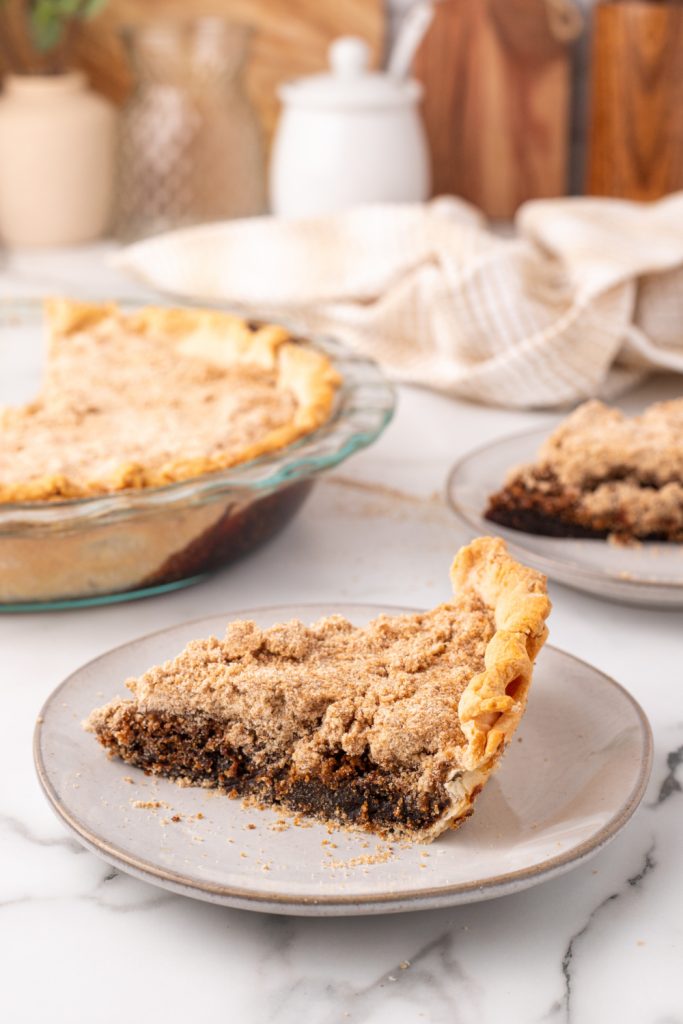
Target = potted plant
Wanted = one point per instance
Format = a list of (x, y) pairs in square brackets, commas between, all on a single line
[(57, 137)]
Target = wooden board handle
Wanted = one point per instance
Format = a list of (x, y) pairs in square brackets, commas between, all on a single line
[(496, 102), (635, 137)]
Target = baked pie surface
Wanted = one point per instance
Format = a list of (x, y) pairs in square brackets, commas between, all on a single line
[(137, 400), (601, 474), (393, 727)]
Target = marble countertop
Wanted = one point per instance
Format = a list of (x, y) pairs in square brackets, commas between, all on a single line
[(80, 941)]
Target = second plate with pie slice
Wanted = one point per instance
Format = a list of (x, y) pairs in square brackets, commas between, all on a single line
[(644, 574)]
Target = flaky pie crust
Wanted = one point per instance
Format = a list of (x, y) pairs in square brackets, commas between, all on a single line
[(493, 703), (217, 337)]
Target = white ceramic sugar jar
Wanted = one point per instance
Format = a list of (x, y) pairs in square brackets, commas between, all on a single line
[(346, 137)]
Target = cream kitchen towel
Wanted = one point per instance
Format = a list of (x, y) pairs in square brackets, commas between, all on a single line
[(582, 300)]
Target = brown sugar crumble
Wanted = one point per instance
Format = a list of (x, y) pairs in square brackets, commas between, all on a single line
[(213, 394)]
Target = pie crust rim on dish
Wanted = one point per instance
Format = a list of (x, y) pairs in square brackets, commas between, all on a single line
[(489, 707), (299, 368)]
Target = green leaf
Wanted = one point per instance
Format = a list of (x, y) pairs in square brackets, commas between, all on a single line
[(46, 35), (67, 8), (46, 24), (93, 7), (48, 19)]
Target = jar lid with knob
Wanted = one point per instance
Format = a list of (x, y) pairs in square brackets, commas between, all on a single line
[(350, 83)]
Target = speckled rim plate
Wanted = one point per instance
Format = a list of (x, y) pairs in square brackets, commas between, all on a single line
[(568, 784), (647, 574)]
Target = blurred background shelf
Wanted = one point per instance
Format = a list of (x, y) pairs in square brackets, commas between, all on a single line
[(505, 65), (291, 38)]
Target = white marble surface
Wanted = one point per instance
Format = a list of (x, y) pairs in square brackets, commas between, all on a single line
[(81, 942)]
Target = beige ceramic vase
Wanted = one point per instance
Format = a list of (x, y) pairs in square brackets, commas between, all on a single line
[(57, 143)]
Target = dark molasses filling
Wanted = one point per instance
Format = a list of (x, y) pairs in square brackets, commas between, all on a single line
[(551, 512), (532, 521), (238, 532), (192, 749)]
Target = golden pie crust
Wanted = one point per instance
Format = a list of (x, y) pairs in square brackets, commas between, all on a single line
[(161, 395), (393, 727)]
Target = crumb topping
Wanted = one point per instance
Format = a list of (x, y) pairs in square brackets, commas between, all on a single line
[(112, 383), (129, 401), (389, 690), (598, 442)]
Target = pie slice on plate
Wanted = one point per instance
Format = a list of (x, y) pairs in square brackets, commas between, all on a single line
[(600, 474), (393, 727)]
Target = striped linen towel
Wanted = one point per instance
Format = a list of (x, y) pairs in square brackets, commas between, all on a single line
[(583, 300)]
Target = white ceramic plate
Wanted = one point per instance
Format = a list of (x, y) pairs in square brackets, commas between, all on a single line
[(571, 779), (648, 574)]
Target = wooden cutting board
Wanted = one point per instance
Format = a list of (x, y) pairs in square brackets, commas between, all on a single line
[(291, 39), (497, 81), (635, 137)]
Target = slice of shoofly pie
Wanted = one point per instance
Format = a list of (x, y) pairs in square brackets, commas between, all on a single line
[(393, 727), (601, 474)]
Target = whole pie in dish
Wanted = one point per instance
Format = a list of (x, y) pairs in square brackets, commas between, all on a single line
[(161, 395), (393, 727), (601, 474)]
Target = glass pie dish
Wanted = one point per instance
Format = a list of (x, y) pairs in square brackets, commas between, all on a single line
[(136, 543)]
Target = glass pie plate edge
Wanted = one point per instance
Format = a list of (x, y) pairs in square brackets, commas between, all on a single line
[(132, 544), (649, 573)]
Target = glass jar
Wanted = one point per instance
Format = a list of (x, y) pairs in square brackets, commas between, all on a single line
[(191, 147)]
